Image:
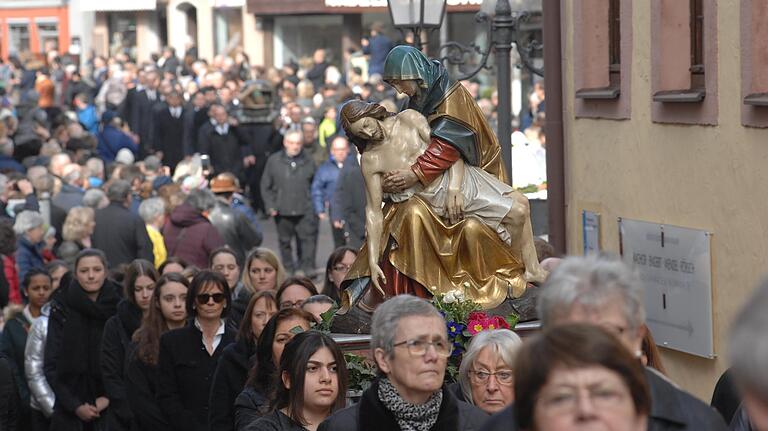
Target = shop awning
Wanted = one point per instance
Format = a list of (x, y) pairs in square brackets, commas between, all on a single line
[(117, 6)]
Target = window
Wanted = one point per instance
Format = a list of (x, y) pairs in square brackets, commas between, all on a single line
[(754, 63), (684, 87), (19, 37), (697, 44), (696, 90), (602, 56), (48, 36)]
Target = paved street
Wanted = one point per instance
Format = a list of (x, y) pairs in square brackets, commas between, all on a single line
[(324, 243)]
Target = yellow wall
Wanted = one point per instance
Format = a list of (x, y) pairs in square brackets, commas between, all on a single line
[(713, 178)]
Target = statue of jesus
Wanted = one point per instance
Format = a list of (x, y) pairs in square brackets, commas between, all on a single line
[(389, 142)]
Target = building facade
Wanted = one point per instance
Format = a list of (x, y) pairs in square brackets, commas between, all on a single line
[(665, 113), (34, 26)]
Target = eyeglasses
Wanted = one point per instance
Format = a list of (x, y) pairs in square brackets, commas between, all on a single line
[(203, 298), (504, 377), (568, 400), (419, 347), (289, 304), (341, 267)]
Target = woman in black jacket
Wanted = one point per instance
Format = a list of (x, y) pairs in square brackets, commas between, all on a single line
[(237, 359), (75, 330), (254, 401), (313, 384), (188, 356), (138, 284), (167, 311)]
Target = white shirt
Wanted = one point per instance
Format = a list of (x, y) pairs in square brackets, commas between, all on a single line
[(222, 129), (175, 112), (216, 338)]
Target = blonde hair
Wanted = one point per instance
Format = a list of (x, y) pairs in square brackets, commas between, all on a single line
[(76, 223), (269, 257)]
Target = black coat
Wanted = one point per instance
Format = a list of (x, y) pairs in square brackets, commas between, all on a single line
[(13, 340), (349, 200), (250, 405), (121, 235), (9, 398), (141, 120), (286, 184), (235, 229), (371, 415), (186, 373), (72, 350), (228, 382), (116, 345), (725, 397), (671, 409), (275, 421), (142, 384), (226, 151), (171, 135)]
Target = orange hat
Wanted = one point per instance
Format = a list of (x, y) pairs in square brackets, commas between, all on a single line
[(224, 183)]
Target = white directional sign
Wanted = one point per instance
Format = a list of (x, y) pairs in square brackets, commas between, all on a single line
[(675, 265)]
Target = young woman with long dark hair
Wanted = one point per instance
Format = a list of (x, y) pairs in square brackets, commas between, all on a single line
[(313, 384), (188, 356), (73, 345), (138, 284), (254, 401), (237, 359), (167, 311), (336, 269)]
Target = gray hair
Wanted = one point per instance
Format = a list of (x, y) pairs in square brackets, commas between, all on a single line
[(27, 220), (749, 345), (201, 200), (319, 299), (118, 191), (504, 343), (93, 198), (296, 133), (387, 317), (591, 282), (151, 208)]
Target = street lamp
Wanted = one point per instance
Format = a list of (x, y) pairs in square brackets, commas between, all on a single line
[(417, 15)]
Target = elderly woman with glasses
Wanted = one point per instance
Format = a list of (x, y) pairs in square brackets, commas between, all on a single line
[(409, 342), (485, 375)]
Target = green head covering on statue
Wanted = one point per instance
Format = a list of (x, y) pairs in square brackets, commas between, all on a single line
[(408, 63)]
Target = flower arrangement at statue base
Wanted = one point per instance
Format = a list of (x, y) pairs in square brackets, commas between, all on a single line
[(464, 319)]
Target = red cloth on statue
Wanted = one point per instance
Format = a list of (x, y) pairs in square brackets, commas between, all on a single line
[(437, 158)]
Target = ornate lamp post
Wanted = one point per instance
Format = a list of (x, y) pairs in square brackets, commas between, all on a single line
[(503, 31), (417, 15)]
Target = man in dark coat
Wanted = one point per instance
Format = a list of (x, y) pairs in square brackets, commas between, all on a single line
[(324, 186), (317, 73), (349, 199), (9, 397), (285, 188), (223, 143), (377, 47), (143, 106), (170, 133), (233, 226), (120, 234)]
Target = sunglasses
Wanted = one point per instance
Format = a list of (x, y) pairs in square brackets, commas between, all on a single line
[(203, 298)]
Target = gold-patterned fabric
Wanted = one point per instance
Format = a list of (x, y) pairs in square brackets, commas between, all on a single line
[(459, 105), (443, 258)]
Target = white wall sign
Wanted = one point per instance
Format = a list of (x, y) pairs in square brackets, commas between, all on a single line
[(676, 266), (590, 227)]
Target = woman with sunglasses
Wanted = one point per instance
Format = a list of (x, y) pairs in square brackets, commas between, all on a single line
[(253, 402), (237, 359), (336, 269), (73, 345), (294, 291), (312, 385), (188, 356), (138, 284), (167, 311)]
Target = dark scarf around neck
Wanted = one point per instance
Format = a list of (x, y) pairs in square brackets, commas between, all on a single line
[(375, 416)]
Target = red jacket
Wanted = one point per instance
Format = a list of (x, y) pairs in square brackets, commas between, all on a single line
[(190, 236), (12, 275)]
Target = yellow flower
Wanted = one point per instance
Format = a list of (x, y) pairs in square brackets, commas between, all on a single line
[(478, 327)]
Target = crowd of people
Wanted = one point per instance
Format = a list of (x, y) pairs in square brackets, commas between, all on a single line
[(137, 295)]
